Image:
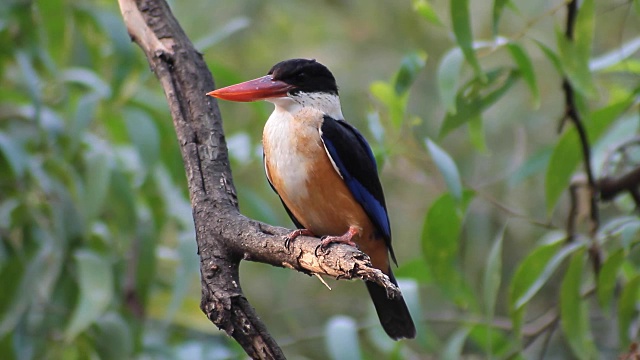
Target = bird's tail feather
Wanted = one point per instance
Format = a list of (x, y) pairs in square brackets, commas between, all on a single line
[(393, 313)]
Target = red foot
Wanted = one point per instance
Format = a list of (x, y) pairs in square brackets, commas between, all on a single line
[(346, 238), (294, 234)]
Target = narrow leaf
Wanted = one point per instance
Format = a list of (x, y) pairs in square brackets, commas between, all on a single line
[(525, 276), (498, 7), (84, 115), (97, 179), (425, 10), (608, 278), (447, 167), (453, 348), (567, 155), (551, 55), (493, 342), (440, 245), (573, 311), (448, 75), (575, 54), (525, 65), (395, 104), (116, 338), (545, 273), (410, 67), (470, 102), (95, 281), (493, 274), (14, 154), (31, 80), (628, 312), (532, 166), (462, 29), (476, 134), (87, 78)]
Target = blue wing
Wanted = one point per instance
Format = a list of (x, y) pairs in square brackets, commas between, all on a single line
[(354, 160)]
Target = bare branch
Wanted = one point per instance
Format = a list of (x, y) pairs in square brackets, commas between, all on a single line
[(572, 114), (223, 235)]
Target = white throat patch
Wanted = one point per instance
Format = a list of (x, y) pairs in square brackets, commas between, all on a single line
[(328, 104)]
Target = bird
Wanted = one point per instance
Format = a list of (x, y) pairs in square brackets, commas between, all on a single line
[(324, 172)]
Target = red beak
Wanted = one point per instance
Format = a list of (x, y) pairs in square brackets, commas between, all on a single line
[(257, 89)]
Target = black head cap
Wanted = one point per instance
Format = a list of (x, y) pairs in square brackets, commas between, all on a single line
[(306, 75)]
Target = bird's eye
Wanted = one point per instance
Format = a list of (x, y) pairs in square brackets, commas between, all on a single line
[(302, 75)]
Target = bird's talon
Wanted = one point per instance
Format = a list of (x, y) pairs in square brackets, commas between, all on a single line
[(288, 239)]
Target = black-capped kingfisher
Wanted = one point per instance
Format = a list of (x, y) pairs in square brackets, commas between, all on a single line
[(324, 171)]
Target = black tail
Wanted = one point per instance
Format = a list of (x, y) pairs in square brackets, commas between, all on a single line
[(393, 313)]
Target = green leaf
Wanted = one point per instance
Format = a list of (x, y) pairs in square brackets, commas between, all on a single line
[(87, 78), (525, 66), (543, 274), (498, 7), (116, 338), (551, 55), (528, 278), (627, 311), (84, 115), (448, 75), (410, 67), (97, 178), (470, 102), (574, 56), (608, 278), (440, 245), (425, 10), (95, 281), (15, 300), (567, 152), (341, 334), (584, 29), (415, 269), (14, 154), (31, 80), (476, 134), (493, 275), (447, 168), (462, 30), (395, 104), (573, 311), (532, 166), (493, 342), (453, 348), (53, 27), (144, 135)]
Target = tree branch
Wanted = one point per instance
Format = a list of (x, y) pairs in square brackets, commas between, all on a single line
[(224, 236), (572, 114)]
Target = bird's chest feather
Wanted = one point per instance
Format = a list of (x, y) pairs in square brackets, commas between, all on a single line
[(292, 149), (304, 176)]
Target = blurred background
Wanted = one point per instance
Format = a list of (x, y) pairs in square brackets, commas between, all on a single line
[(97, 252)]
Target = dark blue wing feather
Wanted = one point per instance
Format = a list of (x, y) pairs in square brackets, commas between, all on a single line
[(354, 159)]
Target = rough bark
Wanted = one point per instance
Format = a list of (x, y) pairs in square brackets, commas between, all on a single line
[(224, 236)]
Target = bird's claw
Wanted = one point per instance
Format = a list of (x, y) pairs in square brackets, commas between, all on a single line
[(327, 240), (293, 235)]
